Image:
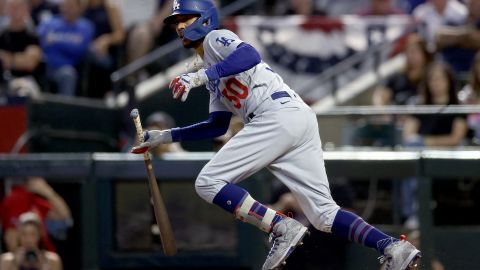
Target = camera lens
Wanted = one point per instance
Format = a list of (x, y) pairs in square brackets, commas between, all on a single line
[(31, 256)]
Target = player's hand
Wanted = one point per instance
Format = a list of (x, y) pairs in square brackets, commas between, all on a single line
[(182, 84), (151, 139)]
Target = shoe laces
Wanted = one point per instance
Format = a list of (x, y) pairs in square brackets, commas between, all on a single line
[(388, 259)]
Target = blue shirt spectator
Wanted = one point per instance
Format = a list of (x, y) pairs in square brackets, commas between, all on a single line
[(65, 41)]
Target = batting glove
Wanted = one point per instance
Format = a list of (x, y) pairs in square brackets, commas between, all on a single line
[(182, 84), (151, 139)]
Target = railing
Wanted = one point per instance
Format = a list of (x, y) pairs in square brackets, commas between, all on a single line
[(375, 53), (331, 75), (317, 55), (97, 172), (398, 110)]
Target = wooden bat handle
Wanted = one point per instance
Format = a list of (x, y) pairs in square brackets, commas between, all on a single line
[(138, 126), (161, 214)]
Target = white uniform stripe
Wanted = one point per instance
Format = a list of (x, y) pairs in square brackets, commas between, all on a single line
[(242, 212), (267, 220)]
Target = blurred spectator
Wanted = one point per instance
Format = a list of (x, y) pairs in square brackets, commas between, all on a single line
[(162, 121), (42, 10), (470, 94), (109, 34), (35, 195), (444, 130), (136, 12), (459, 42), (296, 7), (65, 41), (436, 13), (55, 2), (377, 32), (30, 254), (20, 54), (410, 5), (380, 8), (302, 7), (3, 15), (143, 34), (401, 88), (341, 7), (441, 129)]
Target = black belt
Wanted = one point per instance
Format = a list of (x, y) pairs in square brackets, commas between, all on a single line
[(274, 96)]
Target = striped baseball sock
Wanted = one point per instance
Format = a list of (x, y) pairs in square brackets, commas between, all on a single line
[(349, 226), (237, 201)]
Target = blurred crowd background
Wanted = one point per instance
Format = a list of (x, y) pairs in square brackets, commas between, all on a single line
[(388, 75)]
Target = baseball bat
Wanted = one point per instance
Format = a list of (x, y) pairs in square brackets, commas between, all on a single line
[(161, 215)]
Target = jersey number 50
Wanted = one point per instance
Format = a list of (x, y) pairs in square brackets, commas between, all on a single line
[(235, 91)]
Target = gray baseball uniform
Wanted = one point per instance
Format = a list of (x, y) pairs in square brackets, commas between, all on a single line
[(280, 133)]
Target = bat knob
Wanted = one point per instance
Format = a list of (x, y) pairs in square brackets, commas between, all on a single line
[(134, 113)]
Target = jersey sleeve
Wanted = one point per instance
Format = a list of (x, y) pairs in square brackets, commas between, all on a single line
[(221, 43)]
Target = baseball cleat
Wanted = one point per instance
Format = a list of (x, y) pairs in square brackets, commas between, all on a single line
[(400, 255), (285, 236)]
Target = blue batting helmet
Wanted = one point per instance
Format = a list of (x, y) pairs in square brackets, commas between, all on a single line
[(207, 21)]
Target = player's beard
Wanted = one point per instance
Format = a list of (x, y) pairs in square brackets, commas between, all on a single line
[(191, 44)]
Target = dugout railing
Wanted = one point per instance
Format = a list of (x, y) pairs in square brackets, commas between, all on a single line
[(98, 172)]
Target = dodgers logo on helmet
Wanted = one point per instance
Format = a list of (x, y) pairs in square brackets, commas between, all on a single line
[(176, 5)]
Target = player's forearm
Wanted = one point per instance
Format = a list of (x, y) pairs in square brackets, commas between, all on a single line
[(215, 126), (242, 59)]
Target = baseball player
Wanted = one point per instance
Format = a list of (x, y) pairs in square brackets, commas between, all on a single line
[(280, 133)]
